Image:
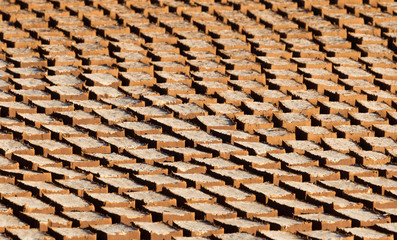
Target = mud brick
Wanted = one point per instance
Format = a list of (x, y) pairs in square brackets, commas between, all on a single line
[(65, 80), (44, 221), (109, 159), (9, 222), (363, 217), (216, 163), (383, 130), (266, 191), (234, 135), (150, 155), (8, 147), (378, 184), (367, 119), (20, 52), (380, 144), (344, 62), (286, 224), (183, 167), (174, 89), (90, 49), (26, 132), (348, 96), (98, 69), (73, 161), (300, 146), (196, 45), (70, 233), (331, 157), (270, 52), (149, 198), (198, 228), (354, 73), (320, 234), (384, 73), (51, 51), (276, 175), (381, 96), (210, 211), (137, 91), (162, 140), (290, 121), (187, 110), (116, 231), (113, 116), (292, 159), (386, 170), (325, 222), (309, 95), (63, 173), (51, 106), (275, 136), (109, 200), (200, 55), (102, 172), (101, 130), (77, 118), (161, 47), (245, 75), (65, 93), (159, 182), (121, 144), (189, 195), (272, 96), (98, 60), (328, 30), (85, 219), (256, 162), (363, 233), (11, 190), (198, 180), (236, 177), (29, 83), (171, 125), (340, 108), (137, 79), (283, 74), (278, 235), (97, 20), (139, 128), (87, 145), (295, 33), (193, 138), (340, 145), (81, 186), (375, 50), (223, 150), (223, 109), (345, 186), (34, 162), (256, 85), (352, 171), (373, 200), (249, 209), (250, 123), (157, 230), (130, 57), (28, 204), (297, 45), (315, 173), (365, 39), (299, 106), (294, 207), (374, 106), (30, 94), (242, 225), (341, 19), (121, 185), (169, 214), (276, 63), (28, 72), (8, 164)]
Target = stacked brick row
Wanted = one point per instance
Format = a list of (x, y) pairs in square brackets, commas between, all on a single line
[(177, 119)]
